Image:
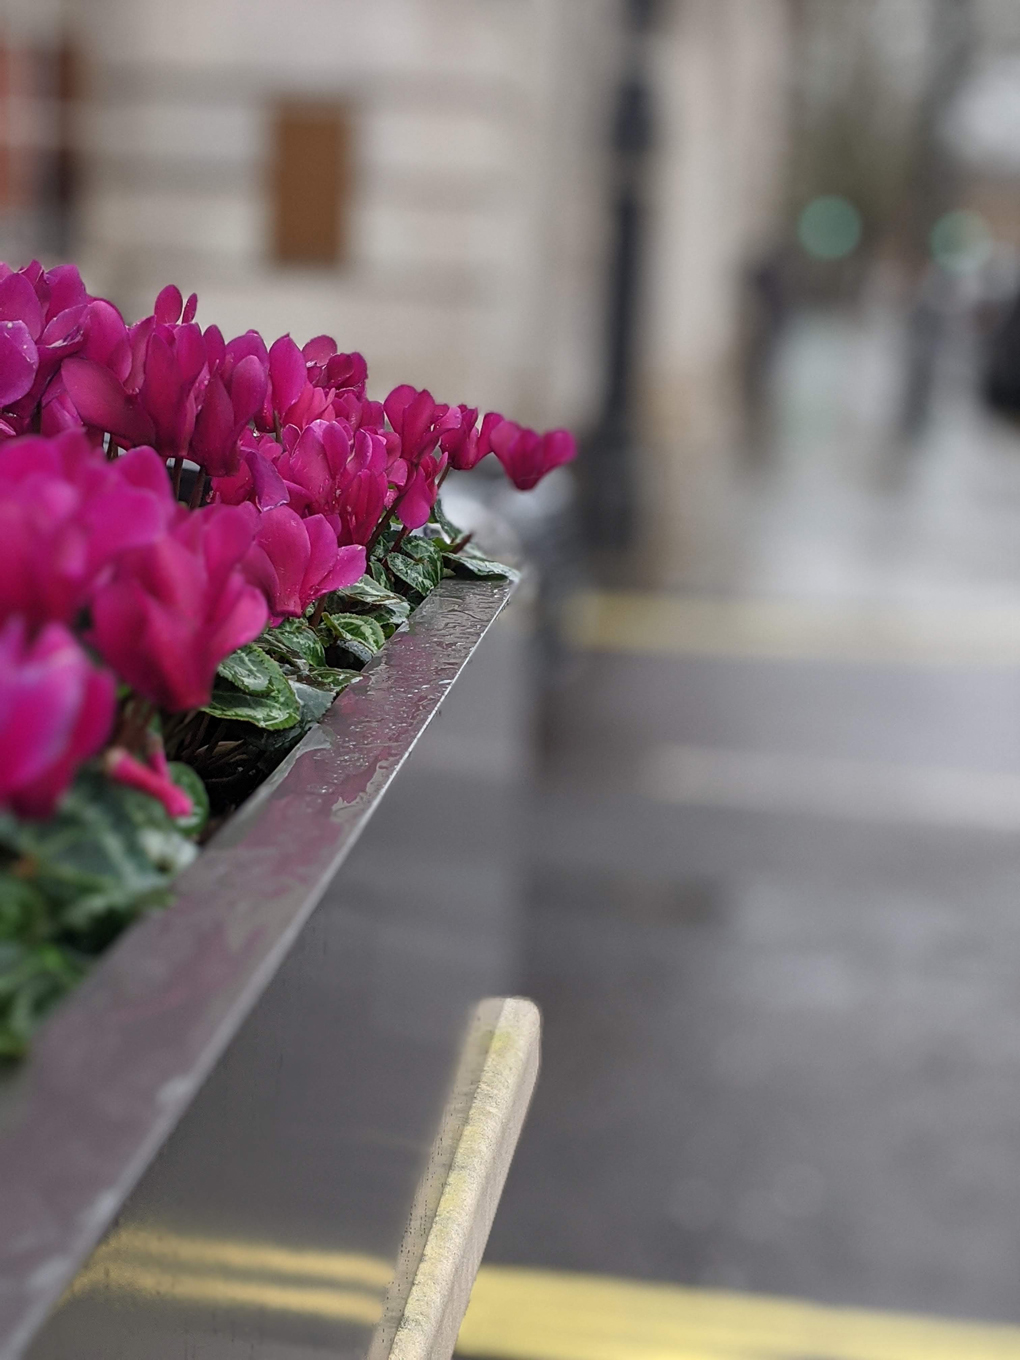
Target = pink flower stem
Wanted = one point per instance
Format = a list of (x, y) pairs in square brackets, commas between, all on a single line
[(124, 769)]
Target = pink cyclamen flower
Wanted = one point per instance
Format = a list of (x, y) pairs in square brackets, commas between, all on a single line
[(42, 318), (414, 505), (419, 421), (463, 445), (175, 608), (295, 561), (340, 372), (142, 384), (66, 514), (329, 471), (227, 407), (19, 361), (527, 456), (256, 478), (56, 710), (173, 378)]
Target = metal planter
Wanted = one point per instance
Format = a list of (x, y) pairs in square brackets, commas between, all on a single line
[(86, 1121)]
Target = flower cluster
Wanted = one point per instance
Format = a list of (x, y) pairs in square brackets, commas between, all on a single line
[(116, 596)]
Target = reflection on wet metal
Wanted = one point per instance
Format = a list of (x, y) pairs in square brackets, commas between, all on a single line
[(414, 1311), (116, 1067)]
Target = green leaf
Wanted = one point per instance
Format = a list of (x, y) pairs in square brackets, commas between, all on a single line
[(250, 687), (375, 598), (294, 642), (419, 564), (386, 540), (249, 669), (421, 549), (32, 981), (24, 911), (105, 855), (463, 564), (385, 620), (314, 702), (450, 531), (191, 782), (331, 678), (273, 712), (355, 633), (379, 573), (317, 691)]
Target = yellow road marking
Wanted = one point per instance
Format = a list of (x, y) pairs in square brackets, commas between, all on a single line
[(788, 629), (524, 1314), (518, 1313)]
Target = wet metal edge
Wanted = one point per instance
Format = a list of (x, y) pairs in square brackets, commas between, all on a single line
[(115, 1068)]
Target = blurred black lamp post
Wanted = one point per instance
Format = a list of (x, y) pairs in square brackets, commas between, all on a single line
[(608, 485)]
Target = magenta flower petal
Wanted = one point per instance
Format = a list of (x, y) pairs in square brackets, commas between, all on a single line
[(558, 447), (18, 302), (415, 504), (243, 345), (66, 290), (174, 609), (347, 372), (66, 513), (101, 401), (169, 304), (19, 359), (56, 710), (282, 536), (90, 730), (269, 488), (64, 326), (320, 350), (350, 566), (215, 349), (287, 373), (213, 445), (248, 385), (489, 422), (142, 467), (106, 338)]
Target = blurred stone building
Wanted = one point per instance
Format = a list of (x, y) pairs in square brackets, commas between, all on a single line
[(420, 178), (427, 180)]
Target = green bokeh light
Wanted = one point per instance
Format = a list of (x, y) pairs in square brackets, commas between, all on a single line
[(961, 241), (829, 227)]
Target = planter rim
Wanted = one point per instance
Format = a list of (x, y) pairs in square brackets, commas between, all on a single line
[(114, 1069)]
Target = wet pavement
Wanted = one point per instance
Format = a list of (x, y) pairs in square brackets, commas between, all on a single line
[(782, 1043)]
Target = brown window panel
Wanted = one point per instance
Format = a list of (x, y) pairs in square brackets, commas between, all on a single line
[(310, 182)]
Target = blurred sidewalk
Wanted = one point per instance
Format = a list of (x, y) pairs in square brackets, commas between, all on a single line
[(772, 917)]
